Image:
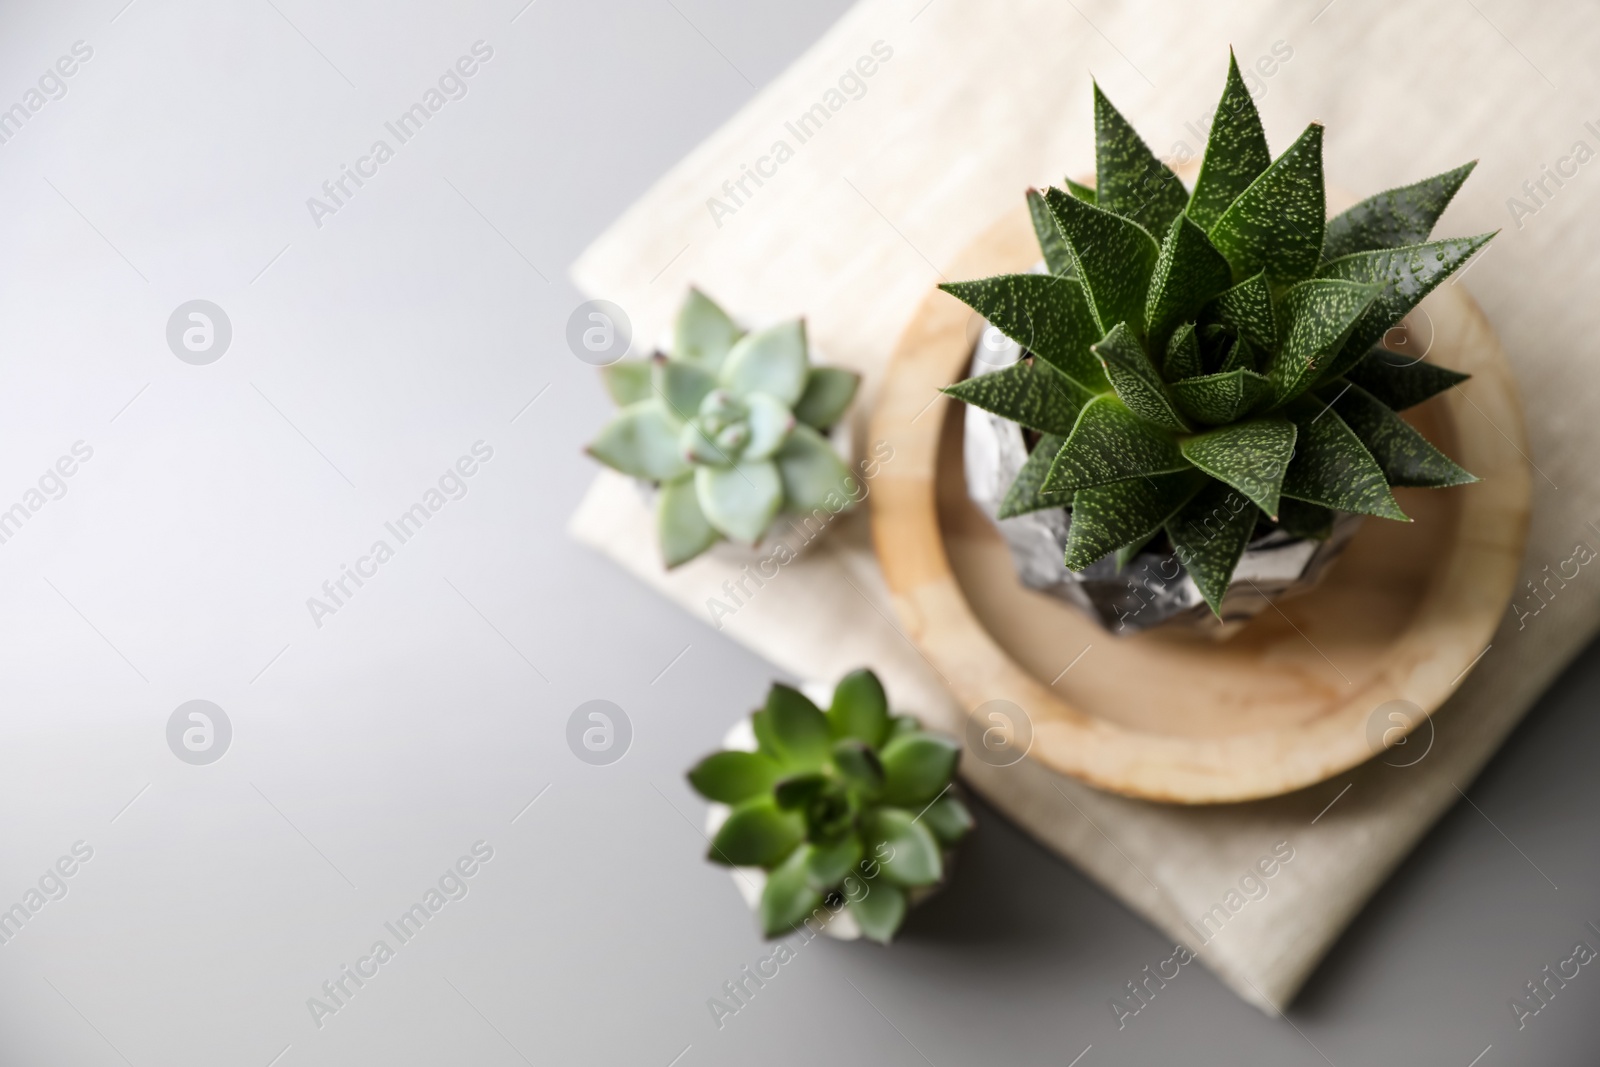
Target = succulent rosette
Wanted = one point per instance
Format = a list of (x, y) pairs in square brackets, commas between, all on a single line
[(730, 426), (852, 807), (1204, 366)]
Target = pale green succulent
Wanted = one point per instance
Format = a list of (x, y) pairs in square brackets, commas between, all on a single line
[(730, 427)]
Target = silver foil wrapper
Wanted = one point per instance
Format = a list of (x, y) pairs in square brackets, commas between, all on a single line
[(1153, 589)]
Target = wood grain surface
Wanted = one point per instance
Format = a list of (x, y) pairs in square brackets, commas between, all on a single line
[(1176, 715)]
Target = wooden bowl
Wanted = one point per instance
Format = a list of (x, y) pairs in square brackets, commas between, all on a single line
[(1175, 715)]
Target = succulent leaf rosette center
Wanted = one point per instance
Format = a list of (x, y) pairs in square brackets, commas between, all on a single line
[(730, 426), (727, 429), (1204, 366), (850, 804)]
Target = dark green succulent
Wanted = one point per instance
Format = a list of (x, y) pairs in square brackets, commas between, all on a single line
[(852, 804), (1206, 364)]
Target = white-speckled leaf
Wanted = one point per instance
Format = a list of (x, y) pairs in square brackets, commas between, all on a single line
[(1407, 458), (1317, 317), (1331, 466), (1251, 456), (1276, 225), (1210, 534), (1394, 217), (1136, 379), (1109, 516), (1114, 258), (1406, 274), (1109, 444)]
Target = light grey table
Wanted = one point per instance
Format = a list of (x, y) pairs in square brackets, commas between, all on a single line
[(405, 733)]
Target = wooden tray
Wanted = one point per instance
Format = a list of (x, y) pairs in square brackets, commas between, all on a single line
[(1173, 715)]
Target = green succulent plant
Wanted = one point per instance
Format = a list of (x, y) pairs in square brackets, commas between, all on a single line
[(729, 425), (1206, 363), (852, 803)]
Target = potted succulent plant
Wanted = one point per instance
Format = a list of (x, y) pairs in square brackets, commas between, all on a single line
[(730, 427), (848, 816), (1199, 380)]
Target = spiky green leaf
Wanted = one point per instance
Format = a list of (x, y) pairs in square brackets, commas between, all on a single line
[(1250, 456), (1210, 534), (1129, 179), (1109, 516), (1407, 275), (1318, 316), (1111, 443), (1276, 225), (1394, 217), (1404, 454), (1027, 489), (1331, 467), (1299, 519), (1057, 258), (1136, 380), (1247, 308), (1236, 151), (1031, 393), (1129, 552), (1216, 399), (1400, 381), (1241, 355), (1114, 258), (1081, 191), (1183, 355), (1044, 313), (1189, 273)]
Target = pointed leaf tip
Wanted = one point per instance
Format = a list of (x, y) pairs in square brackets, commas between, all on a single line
[(1277, 223), (1129, 179)]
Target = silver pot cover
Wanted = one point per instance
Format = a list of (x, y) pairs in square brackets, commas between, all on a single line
[(1154, 588)]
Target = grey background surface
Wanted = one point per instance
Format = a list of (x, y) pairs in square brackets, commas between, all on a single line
[(423, 716)]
